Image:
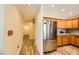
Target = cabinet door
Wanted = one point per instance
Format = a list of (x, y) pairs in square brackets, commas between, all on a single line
[(61, 24), (72, 40), (58, 24), (75, 23), (59, 41), (69, 24), (65, 40), (77, 41)]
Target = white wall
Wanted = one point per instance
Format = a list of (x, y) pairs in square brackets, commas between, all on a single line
[(39, 32), (29, 29), (26, 29), (1, 29), (13, 22)]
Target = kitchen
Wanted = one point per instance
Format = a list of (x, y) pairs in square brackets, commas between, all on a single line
[(67, 34)]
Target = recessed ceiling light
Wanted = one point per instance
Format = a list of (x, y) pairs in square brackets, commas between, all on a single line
[(53, 5), (62, 10), (29, 4), (70, 13)]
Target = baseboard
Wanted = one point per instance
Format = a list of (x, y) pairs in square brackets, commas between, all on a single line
[(74, 45), (63, 45)]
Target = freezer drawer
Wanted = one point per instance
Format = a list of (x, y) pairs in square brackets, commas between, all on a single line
[(49, 45)]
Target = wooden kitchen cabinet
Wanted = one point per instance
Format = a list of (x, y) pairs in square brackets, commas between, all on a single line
[(77, 41), (61, 24), (59, 40), (62, 40), (68, 23), (75, 23), (65, 40), (72, 40)]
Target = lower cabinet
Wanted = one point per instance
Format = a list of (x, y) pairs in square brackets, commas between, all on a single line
[(59, 40), (62, 40), (65, 40), (77, 41), (72, 40)]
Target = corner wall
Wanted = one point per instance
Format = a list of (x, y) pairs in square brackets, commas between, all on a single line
[(29, 29), (2, 29), (39, 31), (13, 22)]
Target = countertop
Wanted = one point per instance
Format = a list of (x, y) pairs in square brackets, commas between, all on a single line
[(69, 34)]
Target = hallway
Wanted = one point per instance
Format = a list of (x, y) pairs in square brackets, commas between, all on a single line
[(29, 47), (16, 21)]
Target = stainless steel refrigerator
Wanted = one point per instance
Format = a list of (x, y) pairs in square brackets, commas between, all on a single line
[(49, 35)]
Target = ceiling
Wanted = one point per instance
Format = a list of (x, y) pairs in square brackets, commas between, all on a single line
[(62, 11), (28, 12)]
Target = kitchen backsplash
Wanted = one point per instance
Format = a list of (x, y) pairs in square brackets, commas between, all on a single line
[(67, 31), (76, 32)]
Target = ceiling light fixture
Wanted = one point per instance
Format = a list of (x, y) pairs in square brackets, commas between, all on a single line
[(62, 10), (29, 4), (70, 13), (53, 5)]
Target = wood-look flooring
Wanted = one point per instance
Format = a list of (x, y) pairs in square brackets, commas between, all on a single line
[(65, 50), (29, 47)]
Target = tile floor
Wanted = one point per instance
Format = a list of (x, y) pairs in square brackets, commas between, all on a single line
[(65, 50), (29, 47)]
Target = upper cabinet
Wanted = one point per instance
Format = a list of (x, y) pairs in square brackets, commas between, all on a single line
[(75, 23), (72, 23), (61, 24), (65, 24), (68, 23)]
